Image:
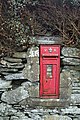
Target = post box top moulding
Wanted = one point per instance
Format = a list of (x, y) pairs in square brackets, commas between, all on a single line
[(47, 40)]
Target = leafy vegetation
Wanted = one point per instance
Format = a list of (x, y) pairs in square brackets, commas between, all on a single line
[(21, 19)]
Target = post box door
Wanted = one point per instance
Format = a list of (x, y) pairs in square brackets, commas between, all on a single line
[(49, 77)]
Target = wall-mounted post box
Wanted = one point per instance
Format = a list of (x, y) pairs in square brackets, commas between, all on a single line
[(49, 71)]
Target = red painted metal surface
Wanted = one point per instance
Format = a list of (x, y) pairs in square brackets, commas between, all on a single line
[(49, 71)]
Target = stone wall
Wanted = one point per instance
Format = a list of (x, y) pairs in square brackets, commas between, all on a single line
[(19, 87)]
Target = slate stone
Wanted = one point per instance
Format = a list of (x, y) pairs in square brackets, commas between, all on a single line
[(6, 110), (27, 84), (20, 55), (76, 84), (20, 115), (75, 99), (15, 96), (71, 110), (4, 73), (2, 66), (12, 70), (14, 118), (77, 68), (16, 76), (20, 118), (16, 67), (12, 60), (56, 117), (4, 118), (14, 64), (71, 61), (76, 92), (5, 64), (4, 84), (70, 52)]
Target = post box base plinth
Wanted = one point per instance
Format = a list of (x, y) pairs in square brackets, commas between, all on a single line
[(54, 97)]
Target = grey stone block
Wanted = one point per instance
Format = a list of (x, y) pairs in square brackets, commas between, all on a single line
[(4, 84), (70, 52), (31, 70), (56, 117), (71, 61), (15, 96), (16, 76), (4, 118), (20, 55), (12, 60), (6, 110)]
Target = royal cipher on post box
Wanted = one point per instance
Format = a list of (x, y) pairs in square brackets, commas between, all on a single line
[(49, 71)]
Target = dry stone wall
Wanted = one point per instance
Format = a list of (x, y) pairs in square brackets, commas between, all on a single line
[(19, 87)]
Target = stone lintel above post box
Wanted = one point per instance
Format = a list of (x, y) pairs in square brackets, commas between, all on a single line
[(46, 40)]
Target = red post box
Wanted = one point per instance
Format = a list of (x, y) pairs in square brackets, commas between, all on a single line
[(49, 71)]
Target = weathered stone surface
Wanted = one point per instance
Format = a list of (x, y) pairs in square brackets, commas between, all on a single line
[(56, 117), (71, 61), (48, 103), (75, 99), (14, 118), (71, 110), (71, 75), (75, 90), (2, 70), (64, 93), (16, 67), (15, 96), (12, 60), (4, 73), (33, 88), (21, 115), (75, 74), (33, 52), (47, 40), (64, 78), (34, 91), (3, 62), (6, 110), (31, 70), (27, 84), (76, 84), (6, 65), (76, 68), (16, 76), (4, 84), (19, 118), (23, 103), (20, 55), (70, 52), (4, 118), (65, 84)]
